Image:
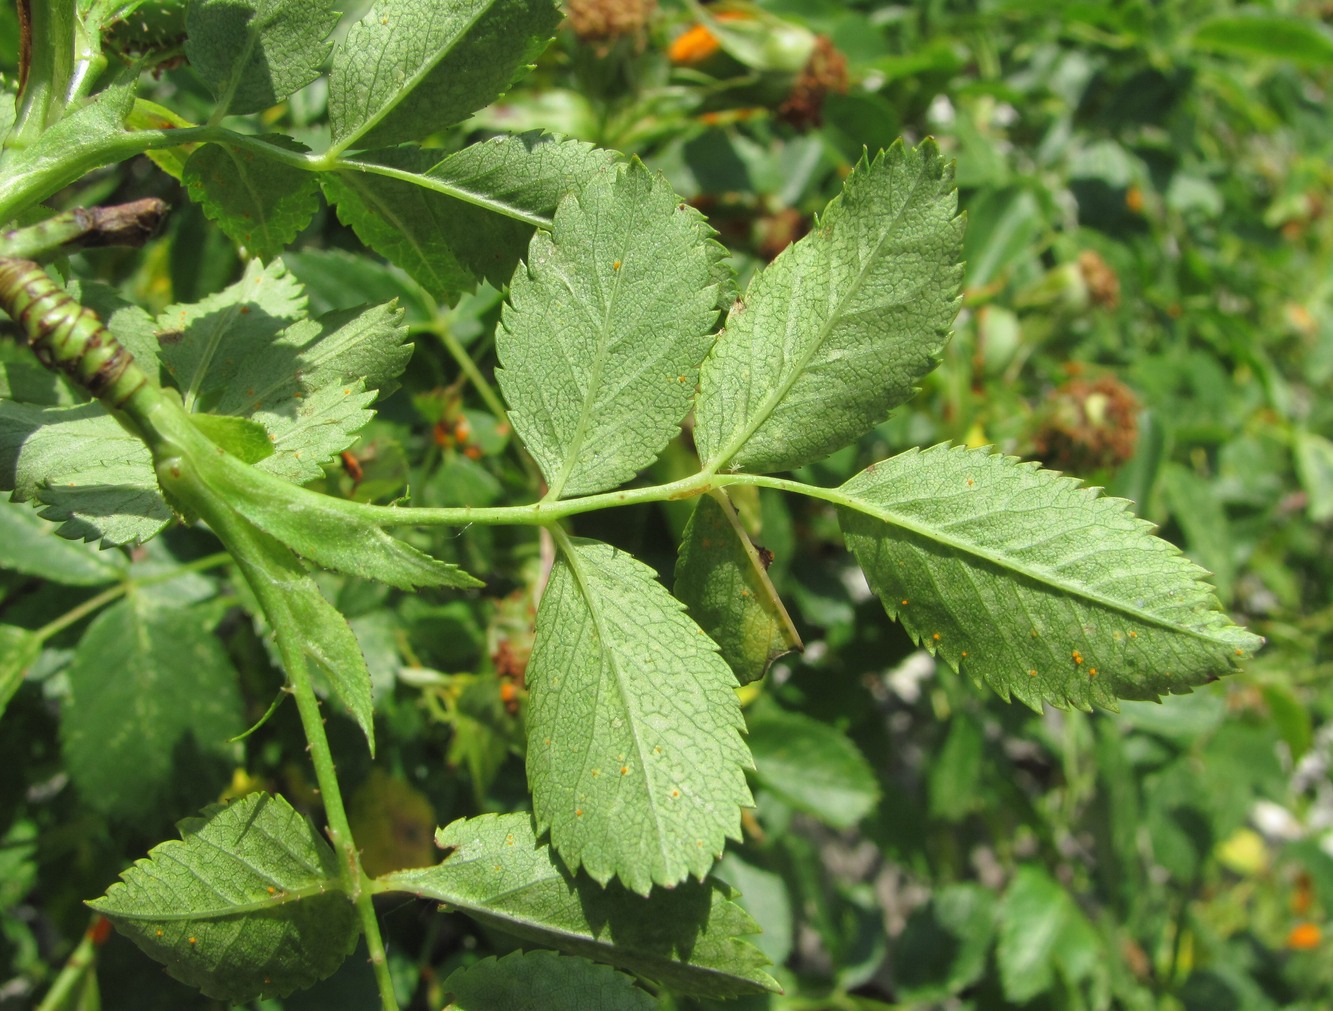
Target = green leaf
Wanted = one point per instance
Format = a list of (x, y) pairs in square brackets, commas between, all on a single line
[(1033, 584), (605, 329), (19, 649), (722, 579), (1041, 931), (261, 203), (635, 755), (410, 68), (943, 948), (244, 906), (812, 766), (449, 223), (309, 382), (205, 344), (838, 330), (687, 938), (1273, 36), (244, 439), (1314, 466), (92, 477), (297, 610), (30, 545), (321, 528), (543, 981), (144, 682), (254, 53)]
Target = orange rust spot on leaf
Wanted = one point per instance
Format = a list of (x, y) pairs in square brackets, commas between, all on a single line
[(624, 770), (936, 637), (1077, 656), (1032, 673), (616, 265)]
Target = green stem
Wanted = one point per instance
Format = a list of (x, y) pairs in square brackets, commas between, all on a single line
[(546, 511), (254, 561), (53, 25), (72, 973), (75, 614)]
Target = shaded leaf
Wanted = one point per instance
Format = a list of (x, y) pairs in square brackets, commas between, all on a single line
[(261, 203), (254, 53), (410, 68), (944, 946), (635, 755), (91, 476), (812, 766), (605, 329), (1032, 583), (30, 545), (543, 981), (687, 938), (839, 329), (722, 579), (245, 905), (19, 649), (449, 223), (1275, 36), (145, 683)]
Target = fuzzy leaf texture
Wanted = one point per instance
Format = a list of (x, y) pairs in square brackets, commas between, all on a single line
[(721, 578), (468, 217), (839, 329), (148, 688), (635, 755), (410, 68), (543, 981), (261, 203), (1032, 583), (605, 329), (242, 906), (254, 53), (689, 938)]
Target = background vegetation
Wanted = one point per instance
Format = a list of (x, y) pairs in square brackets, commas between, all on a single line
[(1150, 269)]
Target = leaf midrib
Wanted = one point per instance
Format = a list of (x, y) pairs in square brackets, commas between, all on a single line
[(966, 550), (771, 402), (609, 656), (411, 84)]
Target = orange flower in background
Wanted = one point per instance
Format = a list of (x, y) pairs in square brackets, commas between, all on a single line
[(1304, 937), (697, 43)]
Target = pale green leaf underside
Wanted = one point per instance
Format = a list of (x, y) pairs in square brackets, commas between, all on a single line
[(1032, 583), (543, 981), (839, 329), (688, 938), (254, 53), (260, 203), (635, 755), (143, 683), (243, 906), (89, 474), (722, 580), (467, 217), (410, 68), (605, 329)]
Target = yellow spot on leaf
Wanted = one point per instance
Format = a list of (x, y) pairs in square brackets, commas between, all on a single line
[(578, 812), (624, 770), (1078, 657), (1032, 673), (616, 265)]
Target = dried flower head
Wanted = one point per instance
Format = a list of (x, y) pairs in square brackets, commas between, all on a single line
[(824, 72), (1088, 426)]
